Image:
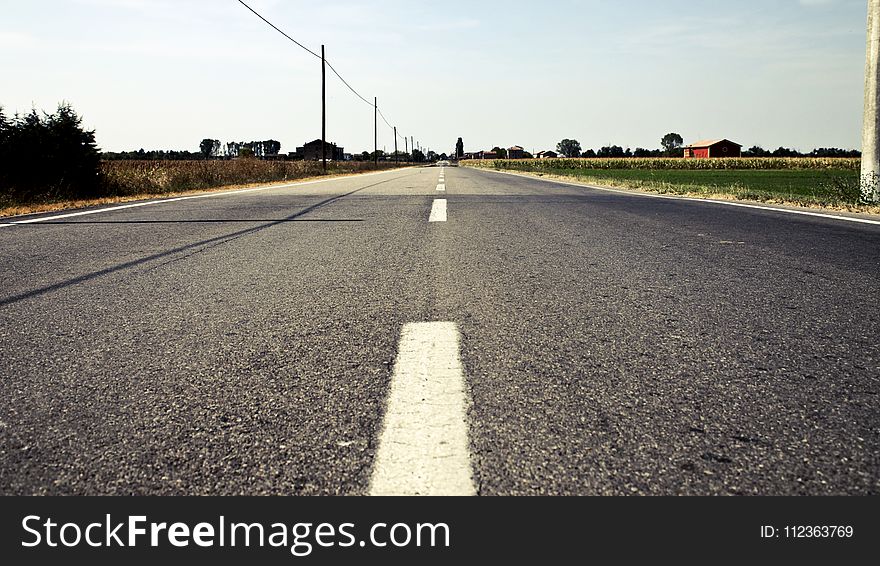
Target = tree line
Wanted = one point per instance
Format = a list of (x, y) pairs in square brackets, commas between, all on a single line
[(208, 149), (673, 144), (213, 148)]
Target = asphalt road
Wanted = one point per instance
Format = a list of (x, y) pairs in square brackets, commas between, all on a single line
[(610, 343)]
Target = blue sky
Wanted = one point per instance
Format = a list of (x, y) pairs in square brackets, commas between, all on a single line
[(165, 73)]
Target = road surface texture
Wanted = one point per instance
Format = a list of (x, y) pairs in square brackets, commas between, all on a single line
[(587, 342)]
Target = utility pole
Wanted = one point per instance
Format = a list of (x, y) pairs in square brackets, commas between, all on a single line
[(396, 157), (406, 147), (870, 181), (376, 128), (323, 110)]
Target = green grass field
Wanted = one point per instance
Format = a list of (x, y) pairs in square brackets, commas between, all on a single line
[(823, 182), (822, 186)]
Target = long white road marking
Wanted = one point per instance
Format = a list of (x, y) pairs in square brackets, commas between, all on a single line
[(694, 199), (177, 199), (423, 449), (438, 211)]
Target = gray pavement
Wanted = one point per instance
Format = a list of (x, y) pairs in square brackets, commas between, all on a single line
[(611, 343)]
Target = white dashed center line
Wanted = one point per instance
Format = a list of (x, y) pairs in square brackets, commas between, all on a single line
[(438, 211), (441, 187), (423, 449)]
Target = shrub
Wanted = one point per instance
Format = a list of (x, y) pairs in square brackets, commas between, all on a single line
[(48, 157)]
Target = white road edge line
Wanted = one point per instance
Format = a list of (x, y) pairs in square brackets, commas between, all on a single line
[(177, 199), (423, 448), (438, 211), (692, 199)]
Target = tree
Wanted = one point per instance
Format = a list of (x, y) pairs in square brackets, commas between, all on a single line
[(834, 152), (569, 148), (459, 149), (756, 151), (5, 126), (500, 152), (590, 154), (611, 151), (418, 156), (785, 152), (49, 156), (672, 144), (207, 147)]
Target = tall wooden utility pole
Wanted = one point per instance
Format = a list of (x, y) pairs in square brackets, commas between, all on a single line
[(323, 110), (870, 181), (396, 157), (406, 147)]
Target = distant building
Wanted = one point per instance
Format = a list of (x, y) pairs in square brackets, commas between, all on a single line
[(516, 152), (312, 152), (547, 155), (712, 148), (488, 155)]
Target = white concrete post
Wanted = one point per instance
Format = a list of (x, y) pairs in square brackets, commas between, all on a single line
[(870, 180)]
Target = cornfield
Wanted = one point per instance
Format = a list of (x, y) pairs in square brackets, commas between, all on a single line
[(127, 178), (664, 163)]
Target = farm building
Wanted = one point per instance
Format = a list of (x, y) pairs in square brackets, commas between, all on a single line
[(516, 152), (712, 148), (312, 151), (546, 155)]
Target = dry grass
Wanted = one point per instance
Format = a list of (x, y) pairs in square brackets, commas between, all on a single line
[(124, 178), (12, 210)]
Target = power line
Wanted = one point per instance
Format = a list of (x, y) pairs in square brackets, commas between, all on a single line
[(385, 119), (356, 93), (332, 68), (278, 30)]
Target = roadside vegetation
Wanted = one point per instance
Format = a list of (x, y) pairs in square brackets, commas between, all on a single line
[(824, 182), (49, 162)]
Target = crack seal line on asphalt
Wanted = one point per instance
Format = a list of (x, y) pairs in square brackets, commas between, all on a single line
[(692, 199), (177, 199), (423, 448)]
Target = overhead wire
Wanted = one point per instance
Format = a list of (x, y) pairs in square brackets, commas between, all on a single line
[(332, 68)]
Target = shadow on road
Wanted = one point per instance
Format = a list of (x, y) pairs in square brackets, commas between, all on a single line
[(219, 240), (211, 221)]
